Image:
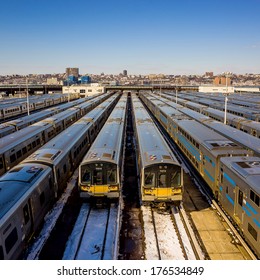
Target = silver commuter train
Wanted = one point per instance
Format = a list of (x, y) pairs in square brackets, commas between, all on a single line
[(35, 182), (237, 110), (100, 170), (229, 170), (248, 126), (161, 176), (20, 144), (22, 122), (240, 137), (35, 103)]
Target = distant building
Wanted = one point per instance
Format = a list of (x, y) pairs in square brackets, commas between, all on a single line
[(52, 81), (85, 80), (72, 72), (84, 90), (72, 79), (209, 74), (124, 72), (221, 89), (221, 81)]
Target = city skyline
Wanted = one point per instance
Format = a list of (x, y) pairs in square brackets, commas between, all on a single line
[(143, 37)]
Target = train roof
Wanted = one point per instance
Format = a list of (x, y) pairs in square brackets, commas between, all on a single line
[(153, 148), (195, 115), (106, 146), (64, 142), (247, 168), (220, 113), (15, 183), (244, 139), (207, 137), (11, 140)]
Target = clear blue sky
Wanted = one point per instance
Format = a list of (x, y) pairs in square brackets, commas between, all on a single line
[(141, 36)]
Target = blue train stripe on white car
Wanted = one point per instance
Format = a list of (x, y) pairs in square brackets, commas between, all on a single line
[(230, 199), (246, 211), (208, 174), (256, 222), (251, 208), (191, 149), (210, 161), (231, 181)]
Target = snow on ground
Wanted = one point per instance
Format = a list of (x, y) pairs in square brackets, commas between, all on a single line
[(110, 252), (167, 238), (151, 252), (75, 237), (93, 236)]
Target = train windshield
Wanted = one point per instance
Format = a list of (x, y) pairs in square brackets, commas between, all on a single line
[(149, 178), (162, 176), (176, 178), (99, 173)]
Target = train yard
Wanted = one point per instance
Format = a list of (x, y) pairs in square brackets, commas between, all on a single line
[(135, 190)]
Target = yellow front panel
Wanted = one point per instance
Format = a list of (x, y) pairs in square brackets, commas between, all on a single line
[(100, 190), (163, 192)]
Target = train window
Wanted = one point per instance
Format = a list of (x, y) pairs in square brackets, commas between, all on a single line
[(1, 253), (97, 178), (240, 198), (34, 144), (175, 179), (29, 147), (1, 163), (12, 158), (162, 180), (254, 197), (19, 154), (24, 150), (11, 240), (252, 231), (149, 179), (86, 177), (111, 176), (42, 198), (64, 168), (26, 214), (38, 141)]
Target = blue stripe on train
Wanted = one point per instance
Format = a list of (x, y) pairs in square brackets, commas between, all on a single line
[(208, 174), (231, 181)]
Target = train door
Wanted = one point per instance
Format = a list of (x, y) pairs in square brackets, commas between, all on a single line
[(27, 219), (238, 207)]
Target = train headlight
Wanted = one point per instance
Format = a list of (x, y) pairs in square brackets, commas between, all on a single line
[(85, 188), (113, 188)]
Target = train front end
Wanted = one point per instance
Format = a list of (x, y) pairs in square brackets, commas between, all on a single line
[(162, 182), (99, 179)]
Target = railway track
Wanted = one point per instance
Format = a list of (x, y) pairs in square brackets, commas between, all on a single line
[(166, 237), (94, 236)]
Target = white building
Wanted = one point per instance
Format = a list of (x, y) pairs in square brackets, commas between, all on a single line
[(221, 89), (84, 90)]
